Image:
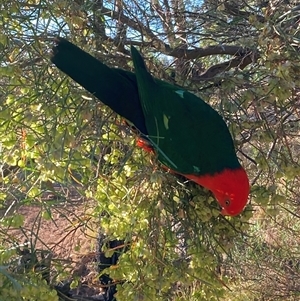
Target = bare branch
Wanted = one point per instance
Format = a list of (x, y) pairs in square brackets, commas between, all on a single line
[(137, 25), (234, 11), (165, 17), (210, 50), (167, 49), (240, 62)]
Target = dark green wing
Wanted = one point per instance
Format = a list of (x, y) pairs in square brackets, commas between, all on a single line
[(116, 88), (189, 136)]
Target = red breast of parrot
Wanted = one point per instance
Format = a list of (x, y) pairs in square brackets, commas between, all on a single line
[(188, 136)]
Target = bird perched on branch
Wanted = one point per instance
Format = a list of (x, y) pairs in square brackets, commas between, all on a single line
[(187, 135)]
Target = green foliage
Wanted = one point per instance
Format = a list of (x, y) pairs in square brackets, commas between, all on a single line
[(52, 131), (19, 283), (175, 232)]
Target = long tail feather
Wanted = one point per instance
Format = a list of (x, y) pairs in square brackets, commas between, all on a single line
[(114, 87)]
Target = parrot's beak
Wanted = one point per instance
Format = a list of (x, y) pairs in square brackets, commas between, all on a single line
[(224, 212)]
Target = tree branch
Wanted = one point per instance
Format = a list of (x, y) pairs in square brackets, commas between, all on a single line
[(242, 56), (234, 11), (210, 50), (137, 25), (240, 62)]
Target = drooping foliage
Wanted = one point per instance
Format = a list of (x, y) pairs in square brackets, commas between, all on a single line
[(241, 57)]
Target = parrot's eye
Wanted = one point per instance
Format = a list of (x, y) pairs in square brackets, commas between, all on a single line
[(227, 202)]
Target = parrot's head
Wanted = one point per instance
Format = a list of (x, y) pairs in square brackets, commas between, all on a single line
[(230, 187), (232, 190)]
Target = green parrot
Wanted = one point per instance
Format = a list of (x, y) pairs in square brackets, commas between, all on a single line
[(187, 135)]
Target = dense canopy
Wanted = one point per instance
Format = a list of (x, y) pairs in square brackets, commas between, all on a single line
[(62, 149)]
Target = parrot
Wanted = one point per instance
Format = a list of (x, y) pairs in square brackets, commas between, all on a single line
[(186, 134)]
